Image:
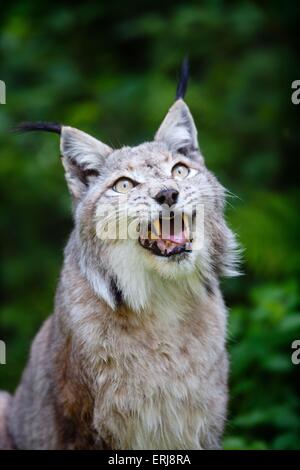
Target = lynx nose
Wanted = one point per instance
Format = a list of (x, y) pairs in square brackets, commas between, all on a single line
[(167, 196)]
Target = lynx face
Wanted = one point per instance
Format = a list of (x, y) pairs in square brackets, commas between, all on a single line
[(151, 189), (161, 193), (149, 198)]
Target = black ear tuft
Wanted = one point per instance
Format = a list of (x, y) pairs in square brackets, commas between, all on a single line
[(183, 80), (38, 126)]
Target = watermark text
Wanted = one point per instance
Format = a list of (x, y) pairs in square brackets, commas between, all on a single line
[(296, 353), (2, 92), (2, 353)]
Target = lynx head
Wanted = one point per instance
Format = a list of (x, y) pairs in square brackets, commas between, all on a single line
[(136, 211)]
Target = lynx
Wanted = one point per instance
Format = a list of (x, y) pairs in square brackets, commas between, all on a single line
[(134, 355)]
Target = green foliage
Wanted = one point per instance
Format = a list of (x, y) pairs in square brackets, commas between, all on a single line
[(110, 68), (265, 405)]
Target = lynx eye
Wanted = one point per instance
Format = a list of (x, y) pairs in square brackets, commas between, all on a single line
[(180, 171), (123, 185)]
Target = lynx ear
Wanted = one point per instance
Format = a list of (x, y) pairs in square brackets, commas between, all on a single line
[(82, 158), (178, 129)]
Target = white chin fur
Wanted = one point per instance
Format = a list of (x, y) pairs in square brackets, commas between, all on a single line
[(172, 267), (145, 278), (148, 282)]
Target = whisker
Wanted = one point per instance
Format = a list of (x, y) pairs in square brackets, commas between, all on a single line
[(231, 194)]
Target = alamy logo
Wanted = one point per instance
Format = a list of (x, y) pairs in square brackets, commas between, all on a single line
[(2, 92), (296, 94), (296, 353), (2, 353)]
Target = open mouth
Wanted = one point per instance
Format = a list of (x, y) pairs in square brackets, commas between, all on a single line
[(168, 235)]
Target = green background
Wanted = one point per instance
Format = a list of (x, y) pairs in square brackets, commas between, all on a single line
[(110, 68)]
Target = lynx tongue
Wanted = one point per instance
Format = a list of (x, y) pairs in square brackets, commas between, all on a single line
[(167, 245), (177, 238), (171, 237)]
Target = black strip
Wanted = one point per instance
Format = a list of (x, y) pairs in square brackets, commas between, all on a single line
[(183, 80), (38, 126), (157, 459), (116, 292)]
